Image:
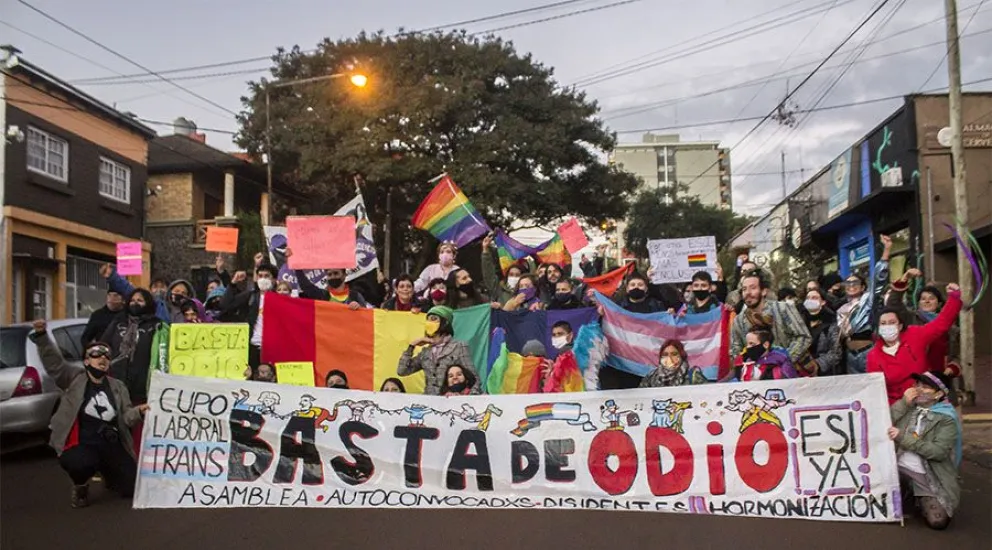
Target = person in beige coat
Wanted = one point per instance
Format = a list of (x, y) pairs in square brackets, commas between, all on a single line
[(91, 430)]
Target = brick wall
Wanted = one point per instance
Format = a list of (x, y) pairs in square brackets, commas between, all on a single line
[(172, 256), (174, 201)]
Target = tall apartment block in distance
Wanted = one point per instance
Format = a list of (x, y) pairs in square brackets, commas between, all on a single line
[(661, 160)]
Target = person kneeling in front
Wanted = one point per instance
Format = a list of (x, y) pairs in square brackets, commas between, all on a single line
[(91, 430)]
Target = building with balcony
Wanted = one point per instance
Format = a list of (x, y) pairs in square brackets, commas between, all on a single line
[(660, 160), (73, 173), (193, 186)]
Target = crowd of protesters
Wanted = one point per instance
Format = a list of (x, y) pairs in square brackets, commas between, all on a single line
[(831, 326)]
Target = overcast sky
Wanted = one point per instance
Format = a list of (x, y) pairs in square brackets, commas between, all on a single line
[(898, 52)]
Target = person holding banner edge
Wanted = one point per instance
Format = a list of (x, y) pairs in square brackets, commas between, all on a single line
[(91, 430)]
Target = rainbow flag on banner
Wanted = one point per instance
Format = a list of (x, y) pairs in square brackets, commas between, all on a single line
[(511, 372), (448, 215), (510, 250), (697, 260), (554, 252), (635, 339), (366, 344)]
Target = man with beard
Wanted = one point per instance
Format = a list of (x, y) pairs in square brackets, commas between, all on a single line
[(788, 328)]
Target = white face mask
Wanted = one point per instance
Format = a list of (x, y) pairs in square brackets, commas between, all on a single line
[(559, 341), (512, 281), (264, 285), (812, 306), (889, 333)]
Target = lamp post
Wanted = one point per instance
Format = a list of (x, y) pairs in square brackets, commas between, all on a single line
[(358, 80)]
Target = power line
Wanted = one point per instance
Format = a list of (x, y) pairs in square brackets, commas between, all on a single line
[(555, 17), (175, 78), (124, 57), (948, 51), (502, 15)]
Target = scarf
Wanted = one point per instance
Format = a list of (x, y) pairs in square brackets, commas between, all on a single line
[(129, 342), (673, 377), (944, 407), (927, 315), (339, 296)]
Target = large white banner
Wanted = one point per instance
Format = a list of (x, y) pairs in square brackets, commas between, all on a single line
[(365, 257), (812, 448), (676, 260)]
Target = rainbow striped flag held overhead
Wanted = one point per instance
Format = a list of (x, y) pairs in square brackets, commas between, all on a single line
[(510, 250), (697, 260), (448, 215), (554, 252)]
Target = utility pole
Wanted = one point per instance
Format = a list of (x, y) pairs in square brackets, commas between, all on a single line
[(967, 319), (784, 192)]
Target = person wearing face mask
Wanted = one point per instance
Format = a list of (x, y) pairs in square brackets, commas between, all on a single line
[(336, 379), (500, 289), (832, 286), (462, 292), (926, 431), (337, 290), (702, 298), (527, 296), (761, 360), (857, 316), (244, 302), (404, 298), (673, 368), (440, 351), (139, 342), (637, 298), (565, 296), (784, 320), (943, 352), (446, 254), (437, 293), (91, 429), (158, 289), (457, 381), (822, 324), (562, 337), (901, 351)]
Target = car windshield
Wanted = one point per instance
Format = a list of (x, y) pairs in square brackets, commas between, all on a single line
[(12, 340)]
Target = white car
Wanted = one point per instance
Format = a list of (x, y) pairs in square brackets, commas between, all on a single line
[(28, 397)]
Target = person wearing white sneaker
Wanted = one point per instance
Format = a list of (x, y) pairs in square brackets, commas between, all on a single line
[(91, 431)]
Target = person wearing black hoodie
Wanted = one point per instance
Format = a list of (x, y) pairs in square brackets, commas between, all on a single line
[(822, 324), (131, 339), (637, 298), (101, 318)]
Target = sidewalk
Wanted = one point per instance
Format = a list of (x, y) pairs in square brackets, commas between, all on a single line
[(977, 419)]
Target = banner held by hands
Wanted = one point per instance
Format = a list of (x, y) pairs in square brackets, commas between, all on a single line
[(573, 236), (321, 242), (129, 258), (222, 239)]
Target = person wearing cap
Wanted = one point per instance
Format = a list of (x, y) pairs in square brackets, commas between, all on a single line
[(91, 429), (926, 431), (440, 351), (901, 351)]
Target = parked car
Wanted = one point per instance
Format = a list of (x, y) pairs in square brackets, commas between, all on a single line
[(28, 396)]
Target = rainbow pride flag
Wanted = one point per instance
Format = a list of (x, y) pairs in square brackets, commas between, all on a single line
[(511, 372), (366, 344), (510, 250), (697, 260), (448, 215), (554, 252)]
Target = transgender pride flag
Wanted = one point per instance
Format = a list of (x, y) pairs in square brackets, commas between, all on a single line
[(635, 339)]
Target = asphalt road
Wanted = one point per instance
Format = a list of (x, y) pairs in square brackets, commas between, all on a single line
[(35, 514)]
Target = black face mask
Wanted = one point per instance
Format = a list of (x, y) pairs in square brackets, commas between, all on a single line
[(95, 372), (457, 388), (753, 353), (136, 309), (701, 294), (637, 294), (563, 297), (339, 387), (176, 299), (335, 282), (468, 289), (838, 292)]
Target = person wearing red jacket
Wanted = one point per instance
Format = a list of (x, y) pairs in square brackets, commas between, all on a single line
[(901, 351)]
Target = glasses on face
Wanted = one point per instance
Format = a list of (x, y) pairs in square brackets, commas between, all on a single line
[(98, 351), (852, 284)]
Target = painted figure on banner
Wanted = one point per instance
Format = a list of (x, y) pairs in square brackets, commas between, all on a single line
[(358, 408), (482, 420), (615, 419), (265, 405), (571, 413), (319, 415), (756, 408), (668, 413)]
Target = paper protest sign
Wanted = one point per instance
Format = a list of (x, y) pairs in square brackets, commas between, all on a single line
[(222, 239), (572, 235), (321, 242), (129, 258), (675, 260), (298, 373), (209, 350)]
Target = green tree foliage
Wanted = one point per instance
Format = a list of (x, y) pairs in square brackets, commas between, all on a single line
[(519, 145), (671, 213)]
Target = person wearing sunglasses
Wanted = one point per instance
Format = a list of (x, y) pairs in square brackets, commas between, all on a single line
[(91, 430)]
